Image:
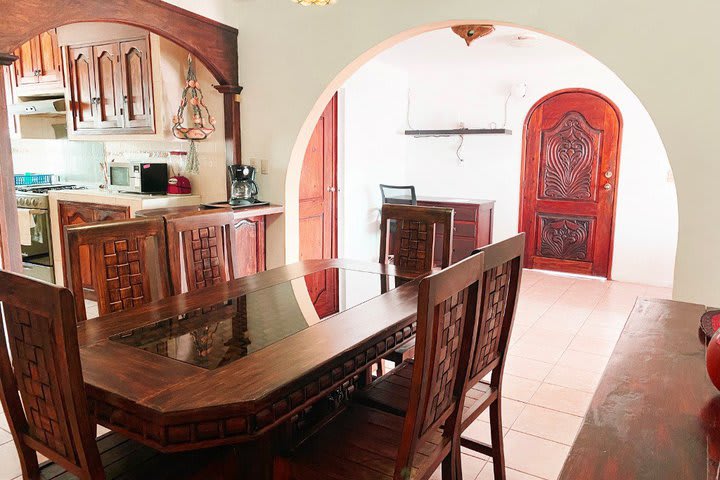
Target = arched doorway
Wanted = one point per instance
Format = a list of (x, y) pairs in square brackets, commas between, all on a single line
[(571, 154), (212, 43)]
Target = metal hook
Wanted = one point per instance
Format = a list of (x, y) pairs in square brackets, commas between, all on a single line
[(457, 152)]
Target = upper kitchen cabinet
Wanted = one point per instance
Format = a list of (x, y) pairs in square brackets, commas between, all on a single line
[(38, 70), (110, 87)]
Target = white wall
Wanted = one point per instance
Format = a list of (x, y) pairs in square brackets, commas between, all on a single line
[(372, 151), (452, 85), (293, 59)]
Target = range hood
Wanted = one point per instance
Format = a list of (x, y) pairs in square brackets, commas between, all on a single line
[(53, 106)]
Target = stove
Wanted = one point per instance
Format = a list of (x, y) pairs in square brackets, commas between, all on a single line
[(36, 196)]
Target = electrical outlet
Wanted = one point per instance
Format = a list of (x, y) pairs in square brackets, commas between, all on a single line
[(264, 167)]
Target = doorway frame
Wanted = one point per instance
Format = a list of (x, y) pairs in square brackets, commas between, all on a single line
[(523, 161), (214, 44)]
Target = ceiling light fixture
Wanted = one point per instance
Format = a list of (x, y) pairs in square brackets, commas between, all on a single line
[(470, 33), (320, 3)]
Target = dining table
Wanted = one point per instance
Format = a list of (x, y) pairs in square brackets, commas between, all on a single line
[(245, 362)]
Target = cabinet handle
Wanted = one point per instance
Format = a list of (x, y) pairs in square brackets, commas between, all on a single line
[(331, 189)]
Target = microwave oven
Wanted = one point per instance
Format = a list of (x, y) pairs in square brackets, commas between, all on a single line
[(138, 177)]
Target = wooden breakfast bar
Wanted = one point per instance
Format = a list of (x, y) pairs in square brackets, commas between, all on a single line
[(227, 364), (655, 414)]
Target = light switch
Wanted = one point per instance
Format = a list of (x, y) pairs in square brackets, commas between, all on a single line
[(264, 167)]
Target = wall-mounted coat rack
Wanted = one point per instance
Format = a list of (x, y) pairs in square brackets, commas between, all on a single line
[(458, 131)]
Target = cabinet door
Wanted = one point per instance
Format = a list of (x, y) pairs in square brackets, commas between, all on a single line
[(24, 65), (137, 84), (81, 79), (250, 245), (47, 58), (109, 87), (106, 213)]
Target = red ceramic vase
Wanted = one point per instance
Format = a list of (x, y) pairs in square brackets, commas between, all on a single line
[(713, 359)]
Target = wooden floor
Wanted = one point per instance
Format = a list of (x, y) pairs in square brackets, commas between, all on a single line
[(565, 330)]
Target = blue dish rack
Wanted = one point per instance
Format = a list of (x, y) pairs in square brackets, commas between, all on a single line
[(33, 179)]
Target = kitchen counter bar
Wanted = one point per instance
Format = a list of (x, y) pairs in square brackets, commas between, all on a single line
[(247, 212)]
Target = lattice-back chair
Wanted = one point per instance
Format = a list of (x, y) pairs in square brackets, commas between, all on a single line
[(201, 244), (41, 327), (413, 247), (398, 194), (128, 263), (366, 443), (498, 302)]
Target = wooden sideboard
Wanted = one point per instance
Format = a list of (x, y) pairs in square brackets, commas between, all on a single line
[(473, 226)]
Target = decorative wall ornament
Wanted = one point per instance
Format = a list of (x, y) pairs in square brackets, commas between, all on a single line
[(564, 238), (203, 124), (572, 148), (470, 33)]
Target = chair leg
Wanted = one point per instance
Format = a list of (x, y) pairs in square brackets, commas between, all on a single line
[(28, 462), (452, 464), (496, 436)]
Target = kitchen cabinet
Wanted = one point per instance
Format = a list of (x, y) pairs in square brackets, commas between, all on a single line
[(38, 69), (110, 88), (78, 213), (250, 245), (472, 227)]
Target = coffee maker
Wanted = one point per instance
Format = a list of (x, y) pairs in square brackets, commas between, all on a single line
[(244, 189)]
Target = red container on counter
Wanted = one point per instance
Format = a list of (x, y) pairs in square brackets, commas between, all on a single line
[(179, 185)]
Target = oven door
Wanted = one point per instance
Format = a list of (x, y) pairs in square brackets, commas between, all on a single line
[(35, 239)]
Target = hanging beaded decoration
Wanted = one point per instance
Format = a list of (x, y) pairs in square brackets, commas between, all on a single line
[(203, 122)]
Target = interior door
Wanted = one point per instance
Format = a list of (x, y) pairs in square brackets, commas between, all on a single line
[(570, 167), (318, 209)]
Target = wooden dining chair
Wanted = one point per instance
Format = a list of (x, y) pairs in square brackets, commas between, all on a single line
[(412, 249), (398, 194), (498, 302), (127, 263), (362, 442), (201, 249), (43, 396)]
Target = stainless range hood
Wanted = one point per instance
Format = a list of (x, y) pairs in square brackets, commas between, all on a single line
[(52, 106)]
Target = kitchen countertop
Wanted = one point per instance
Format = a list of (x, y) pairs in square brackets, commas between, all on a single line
[(245, 212), (102, 192)]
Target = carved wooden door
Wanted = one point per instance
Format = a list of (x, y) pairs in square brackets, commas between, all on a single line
[(137, 95), (109, 92), (81, 80), (318, 209), (570, 167)]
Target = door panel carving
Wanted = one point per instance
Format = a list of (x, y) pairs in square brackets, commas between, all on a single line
[(565, 238), (572, 151)]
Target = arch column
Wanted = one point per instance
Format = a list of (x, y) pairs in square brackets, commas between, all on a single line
[(9, 230)]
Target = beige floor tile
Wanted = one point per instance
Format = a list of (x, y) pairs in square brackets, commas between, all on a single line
[(560, 324), (607, 319), (518, 388), (480, 432), (471, 468), (548, 424), (573, 378), (517, 333), (596, 345), (534, 455), (9, 461), (562, 399), (527, 367), (659, 292), (584, 361), (5, 436), (4, 423), (511, 409), (592, 330), (552, 338), (487, 473), (534, 351)]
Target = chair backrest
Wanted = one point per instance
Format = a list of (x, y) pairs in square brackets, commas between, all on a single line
[(128, 263), (498, 302), (204, 241), (398, 194), (53, 416), (447, 308), (413, 244)]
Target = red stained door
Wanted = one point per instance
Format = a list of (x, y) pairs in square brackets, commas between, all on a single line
[(318, 209), (569, 177)]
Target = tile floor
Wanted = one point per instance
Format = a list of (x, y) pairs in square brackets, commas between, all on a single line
[(564, 333)]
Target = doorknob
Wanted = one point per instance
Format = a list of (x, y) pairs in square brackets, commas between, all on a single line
[(331, 189), (608, 174), (607, 186)]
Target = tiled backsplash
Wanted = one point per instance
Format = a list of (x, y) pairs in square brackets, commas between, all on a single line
[(73, 162)]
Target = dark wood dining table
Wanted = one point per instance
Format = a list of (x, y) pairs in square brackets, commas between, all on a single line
[(228, 364), (655, 414)]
